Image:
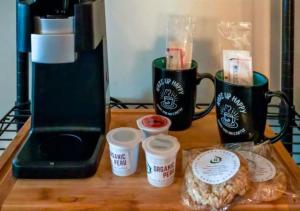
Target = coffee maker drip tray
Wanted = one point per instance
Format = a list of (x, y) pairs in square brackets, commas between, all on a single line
[(59, 155)]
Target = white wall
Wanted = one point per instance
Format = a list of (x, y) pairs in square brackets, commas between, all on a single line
[(136, 34), (7, 55)]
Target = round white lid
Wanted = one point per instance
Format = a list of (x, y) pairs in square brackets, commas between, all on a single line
[(161, 145), (154, 122), (124, 137)]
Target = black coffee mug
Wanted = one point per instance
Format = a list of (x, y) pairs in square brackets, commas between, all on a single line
[(174, 93), (242, 110)]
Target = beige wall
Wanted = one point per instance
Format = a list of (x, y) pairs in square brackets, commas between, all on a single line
[(136, 35), (275, 47), (261, 17)]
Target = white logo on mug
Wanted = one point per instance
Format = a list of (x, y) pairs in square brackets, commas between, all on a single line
[(230, 107), (169, 99), (170, 91), (230, 116)]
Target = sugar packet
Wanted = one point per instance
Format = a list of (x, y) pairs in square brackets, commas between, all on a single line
[(236, 49), (237, 66), (179, 48)]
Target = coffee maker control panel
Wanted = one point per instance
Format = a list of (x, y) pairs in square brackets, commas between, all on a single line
[(56, 31)]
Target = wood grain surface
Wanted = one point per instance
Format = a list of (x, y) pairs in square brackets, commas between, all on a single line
[(104, 191), (6, 178)]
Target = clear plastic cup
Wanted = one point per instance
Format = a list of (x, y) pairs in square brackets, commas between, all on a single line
[(153, 124), (161, 151), (124, 150)]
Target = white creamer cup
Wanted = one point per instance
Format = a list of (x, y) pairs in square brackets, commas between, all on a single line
[(153, 124), (124, 150), (161, 151)]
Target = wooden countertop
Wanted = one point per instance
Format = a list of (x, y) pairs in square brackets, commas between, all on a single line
[(104, 191)]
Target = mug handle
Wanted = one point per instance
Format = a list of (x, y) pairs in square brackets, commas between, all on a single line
[(269, 95), (200, 77)]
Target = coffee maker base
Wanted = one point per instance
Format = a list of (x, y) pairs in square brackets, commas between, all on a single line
[(59, 155)]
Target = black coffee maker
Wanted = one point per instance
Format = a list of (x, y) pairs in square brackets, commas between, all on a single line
[(70, 95)]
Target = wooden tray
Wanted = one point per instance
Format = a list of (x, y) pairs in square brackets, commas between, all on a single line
[(104, 191)]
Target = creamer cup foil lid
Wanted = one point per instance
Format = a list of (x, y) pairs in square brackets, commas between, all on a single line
[(124, 137), (161, 145), (154, 123)]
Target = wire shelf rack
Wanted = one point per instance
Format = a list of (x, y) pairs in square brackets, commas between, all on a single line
[(11, 121), (9, 125)]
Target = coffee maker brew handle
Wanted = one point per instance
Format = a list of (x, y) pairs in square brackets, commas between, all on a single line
[(200, 77), (287, 106)]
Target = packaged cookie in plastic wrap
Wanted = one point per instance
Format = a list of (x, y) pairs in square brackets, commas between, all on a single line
[(213, 178), (270, 180)]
